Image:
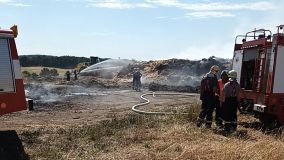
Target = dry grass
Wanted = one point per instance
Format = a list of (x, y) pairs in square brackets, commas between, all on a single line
[(37, 70), (151, 137)]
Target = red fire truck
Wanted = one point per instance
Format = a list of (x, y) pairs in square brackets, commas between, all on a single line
[(12, 94), (259, 61)]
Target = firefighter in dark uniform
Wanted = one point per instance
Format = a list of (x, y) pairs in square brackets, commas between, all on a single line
[(134, 78), (222, 81), (68, 76), (137, 79), (230, 99), (75, 75), (208, 91)]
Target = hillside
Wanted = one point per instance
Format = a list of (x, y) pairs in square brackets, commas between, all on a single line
[(65, 62)]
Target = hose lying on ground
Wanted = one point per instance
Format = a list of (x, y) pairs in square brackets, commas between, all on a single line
[(147, 101)]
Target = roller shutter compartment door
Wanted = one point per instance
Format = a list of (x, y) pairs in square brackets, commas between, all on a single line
[(6, 70)]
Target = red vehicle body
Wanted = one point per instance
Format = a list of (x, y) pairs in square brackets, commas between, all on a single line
[(259, 61), (12, 94)]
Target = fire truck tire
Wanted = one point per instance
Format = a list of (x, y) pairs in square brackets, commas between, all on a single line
[(268, 121)]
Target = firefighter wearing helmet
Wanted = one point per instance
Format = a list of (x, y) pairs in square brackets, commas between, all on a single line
[(136, 79), (208, 90), (230, 99)]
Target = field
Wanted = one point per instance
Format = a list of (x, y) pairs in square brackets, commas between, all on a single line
[(101, 125), (91, 118), (37, 70)]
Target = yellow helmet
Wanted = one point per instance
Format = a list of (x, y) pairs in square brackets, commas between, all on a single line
[(215, 68)]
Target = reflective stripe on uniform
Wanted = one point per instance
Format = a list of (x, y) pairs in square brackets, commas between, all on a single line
[(200, 119), (230, 122)]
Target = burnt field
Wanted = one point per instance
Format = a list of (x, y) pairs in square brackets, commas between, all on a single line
[(76, 122)]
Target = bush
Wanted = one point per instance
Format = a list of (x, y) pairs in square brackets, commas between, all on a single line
[(34, 75), (45, 72), (54, 72), (26, 74)]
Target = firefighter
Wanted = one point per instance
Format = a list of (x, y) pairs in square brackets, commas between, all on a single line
[(75, 75), (134, 78), (137, 79), (208, 90), (68, 75), (230, 99), (222, 81)]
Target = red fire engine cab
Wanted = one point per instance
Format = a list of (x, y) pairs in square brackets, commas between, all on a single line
[(12, 94), (259, 61)]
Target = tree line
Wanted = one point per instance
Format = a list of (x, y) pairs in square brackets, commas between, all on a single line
[(65, 62)]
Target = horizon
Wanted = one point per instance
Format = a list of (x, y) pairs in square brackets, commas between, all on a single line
[(141, 29), (127, 58)]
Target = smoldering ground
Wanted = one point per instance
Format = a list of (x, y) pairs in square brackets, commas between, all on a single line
[(47, 92)]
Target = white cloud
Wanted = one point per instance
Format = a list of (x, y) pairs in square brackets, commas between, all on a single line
[(223, 48), (144, 5), (204, 5), (208, 14), (112, 5), (20, 5), (14, 3), (5, 1), (199, 10), (174, 3), (214, 6), (268, 21), (117, 4)]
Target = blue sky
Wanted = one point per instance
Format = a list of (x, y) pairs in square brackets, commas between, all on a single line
[(136, 29)]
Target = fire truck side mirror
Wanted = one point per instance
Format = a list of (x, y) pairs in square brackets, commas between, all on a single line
[(15, 30), (269, 37), (243, 40)]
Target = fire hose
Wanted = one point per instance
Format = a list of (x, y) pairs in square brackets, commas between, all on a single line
[(147, 101)]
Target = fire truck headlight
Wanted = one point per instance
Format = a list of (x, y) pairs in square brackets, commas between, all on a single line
[(3, 105)]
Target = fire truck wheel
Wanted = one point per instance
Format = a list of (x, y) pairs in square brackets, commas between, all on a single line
[(268, 121)]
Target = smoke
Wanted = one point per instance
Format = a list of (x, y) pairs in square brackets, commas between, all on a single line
[(53, 93), (106, 69), (43, 92)]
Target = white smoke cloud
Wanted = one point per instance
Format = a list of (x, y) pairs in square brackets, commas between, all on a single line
[(197, 52)]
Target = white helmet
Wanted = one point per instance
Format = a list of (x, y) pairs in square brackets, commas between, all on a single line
[(232, 74)]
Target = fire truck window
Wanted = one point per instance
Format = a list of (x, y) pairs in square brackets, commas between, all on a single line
[(6, 74), (248, 68), (247, 75)]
